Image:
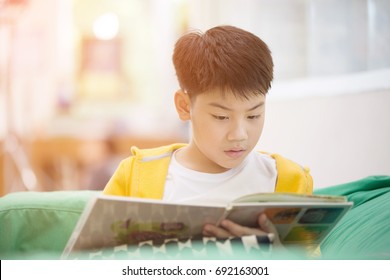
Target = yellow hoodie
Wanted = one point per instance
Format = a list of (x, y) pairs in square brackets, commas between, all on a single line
[(144, 174)]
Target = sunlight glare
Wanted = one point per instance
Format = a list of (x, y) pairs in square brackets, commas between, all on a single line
[(106, 26)]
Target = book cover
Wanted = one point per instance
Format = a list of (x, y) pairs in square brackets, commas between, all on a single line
[(109, 221)]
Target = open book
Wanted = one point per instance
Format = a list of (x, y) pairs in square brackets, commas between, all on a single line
[(109, 221)]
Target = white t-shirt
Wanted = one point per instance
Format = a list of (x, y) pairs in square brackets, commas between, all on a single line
[(257, 173)]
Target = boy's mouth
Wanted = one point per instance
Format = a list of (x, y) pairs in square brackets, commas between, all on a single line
[(235, 153)]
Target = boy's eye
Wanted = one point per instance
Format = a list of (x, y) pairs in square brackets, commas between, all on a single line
[(254, 117), (220, 118)]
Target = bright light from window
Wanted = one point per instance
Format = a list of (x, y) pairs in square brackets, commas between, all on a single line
[(106, 26)]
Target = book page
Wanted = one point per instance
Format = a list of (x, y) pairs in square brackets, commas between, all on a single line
[(296, 224), (112, 222), (288, 197)]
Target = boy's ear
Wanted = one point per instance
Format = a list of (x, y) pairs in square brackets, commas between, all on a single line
[(183, 105)]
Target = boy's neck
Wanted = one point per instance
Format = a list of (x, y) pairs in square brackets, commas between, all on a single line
[(192, 158)]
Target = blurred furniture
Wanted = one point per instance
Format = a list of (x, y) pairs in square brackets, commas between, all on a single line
[(71, 163)]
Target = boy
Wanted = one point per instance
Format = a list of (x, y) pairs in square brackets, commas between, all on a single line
[(224, 75)]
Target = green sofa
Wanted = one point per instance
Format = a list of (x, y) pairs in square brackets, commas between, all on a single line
[(37, 225)]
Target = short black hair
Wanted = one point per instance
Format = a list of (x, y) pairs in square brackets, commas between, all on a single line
[(226, 58)]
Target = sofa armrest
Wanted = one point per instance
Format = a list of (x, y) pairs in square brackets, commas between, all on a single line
[(363, 233), (39, 222)]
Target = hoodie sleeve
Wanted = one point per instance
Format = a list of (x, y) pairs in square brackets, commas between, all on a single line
[(292, 177), (119, 184)]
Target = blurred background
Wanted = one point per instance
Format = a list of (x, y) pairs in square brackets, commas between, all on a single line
[(81, 81)]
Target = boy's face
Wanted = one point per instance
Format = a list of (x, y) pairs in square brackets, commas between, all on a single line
[(225, 129)]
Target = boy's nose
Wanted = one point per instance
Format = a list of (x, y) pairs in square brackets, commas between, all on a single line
[(238, 132)]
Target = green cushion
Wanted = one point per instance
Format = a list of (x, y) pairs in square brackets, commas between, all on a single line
[(39, 222), (364, 233)]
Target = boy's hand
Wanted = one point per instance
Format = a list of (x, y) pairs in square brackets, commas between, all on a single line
[(228, 229)]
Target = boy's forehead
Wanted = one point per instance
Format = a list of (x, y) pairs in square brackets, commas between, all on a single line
[(213, 98)]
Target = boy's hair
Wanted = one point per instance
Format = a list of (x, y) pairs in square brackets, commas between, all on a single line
[(226, 58)]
